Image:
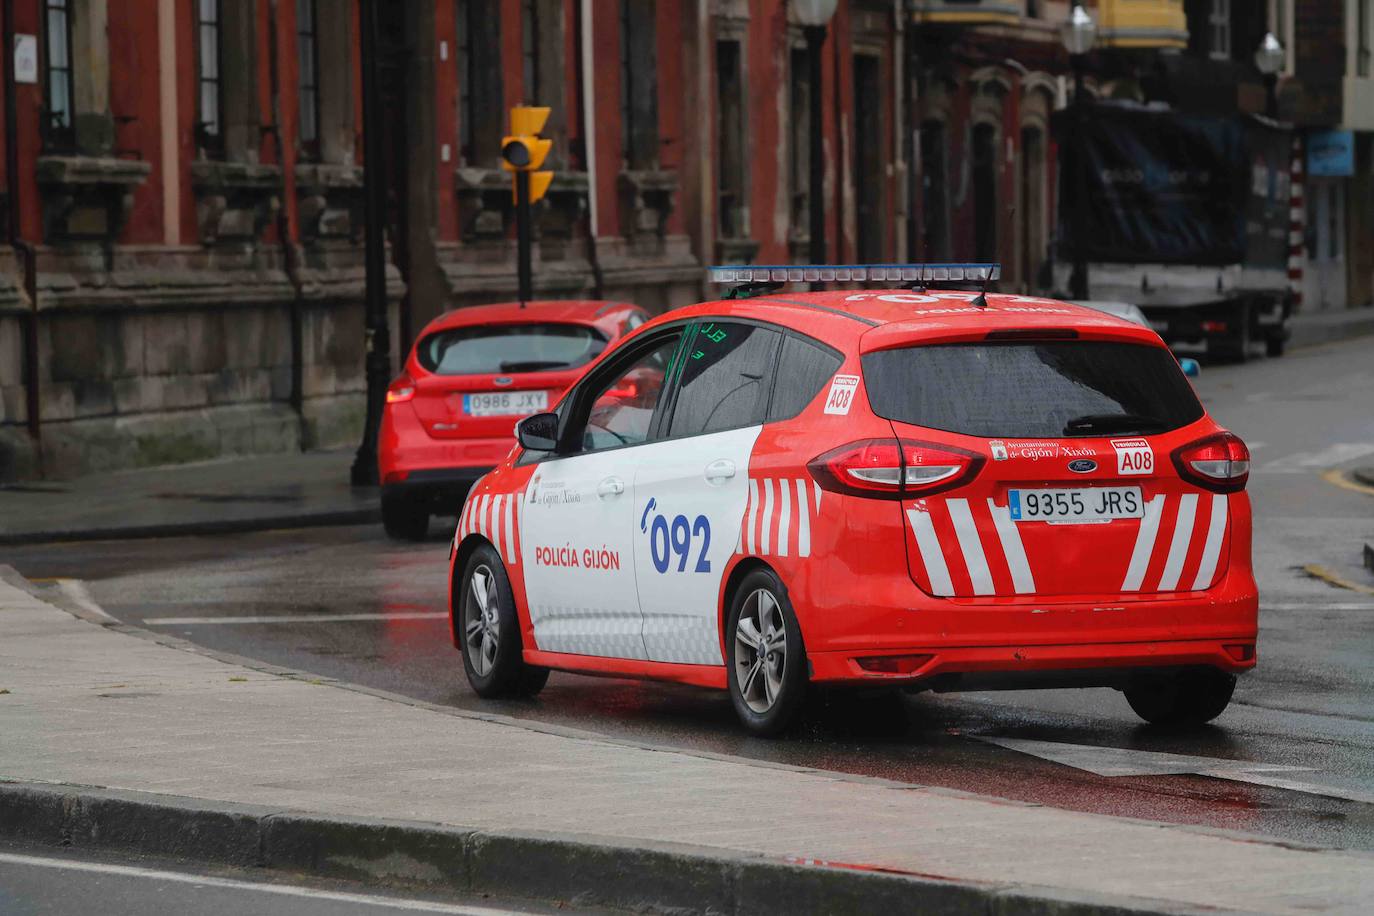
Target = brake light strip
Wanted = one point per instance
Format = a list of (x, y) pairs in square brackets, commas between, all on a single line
[(1178, 546)]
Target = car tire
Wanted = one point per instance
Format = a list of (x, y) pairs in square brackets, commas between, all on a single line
[(1235, 346), (1189, 698), (402, 519), (489, 631), (1275, 344), (768, 691)]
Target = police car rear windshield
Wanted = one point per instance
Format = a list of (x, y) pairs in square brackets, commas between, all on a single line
[(504, 349), (1032, 389)]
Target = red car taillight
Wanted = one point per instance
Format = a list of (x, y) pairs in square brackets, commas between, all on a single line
[(1220, 463), (402, 389), (894, 468)]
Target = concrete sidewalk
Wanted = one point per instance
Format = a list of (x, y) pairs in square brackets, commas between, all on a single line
[(93, 704), (239, 494)]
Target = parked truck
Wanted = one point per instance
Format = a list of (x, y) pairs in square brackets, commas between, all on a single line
[(1185, 215)]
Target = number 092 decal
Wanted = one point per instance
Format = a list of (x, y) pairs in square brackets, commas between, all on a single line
[(676, 540)]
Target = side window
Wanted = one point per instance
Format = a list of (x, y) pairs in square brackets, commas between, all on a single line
[(723, 379), (621, 410), (803, 370)]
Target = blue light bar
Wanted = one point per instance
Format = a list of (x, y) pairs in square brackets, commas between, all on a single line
[(854, 273)]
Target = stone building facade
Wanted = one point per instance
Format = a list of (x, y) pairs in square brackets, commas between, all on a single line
[(183, 185)]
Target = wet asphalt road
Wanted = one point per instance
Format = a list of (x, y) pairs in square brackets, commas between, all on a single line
[(1310, 704)]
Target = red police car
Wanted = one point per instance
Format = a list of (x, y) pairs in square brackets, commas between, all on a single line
[(910, 487), (471, 375)]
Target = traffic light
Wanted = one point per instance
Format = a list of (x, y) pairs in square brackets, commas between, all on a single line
[(525, 151)]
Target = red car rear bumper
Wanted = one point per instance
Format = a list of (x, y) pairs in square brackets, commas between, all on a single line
[(405, 448)]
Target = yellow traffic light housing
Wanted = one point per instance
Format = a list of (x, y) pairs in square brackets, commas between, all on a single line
[(525, 151)]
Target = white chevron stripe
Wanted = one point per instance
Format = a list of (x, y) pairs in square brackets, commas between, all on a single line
[(482, 504), (817, 491), (1144, 545), (1178, 547), (931, 554), (462, 521), (767, 515), (1015, 551), (1211, 548), (509, 502), (784, 516), (751, 515), (803, 521), (971, 547)]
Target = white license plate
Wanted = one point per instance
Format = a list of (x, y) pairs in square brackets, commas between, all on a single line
[(505, 403), (1079, 504)]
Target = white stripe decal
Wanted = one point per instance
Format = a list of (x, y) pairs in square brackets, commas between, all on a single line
[(1211, 549), (971, 546), (1178, 547), (767, 515), (510, 528), (803, 521), (495, 523), (482, 506), (462, 520), (931, 555), (1144, 545), (817, 486), (1021, 578), (750, 515), (784, 516)]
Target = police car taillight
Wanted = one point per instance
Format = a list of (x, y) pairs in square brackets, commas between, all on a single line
[(403, 389), (1220, 463), (893, 468)]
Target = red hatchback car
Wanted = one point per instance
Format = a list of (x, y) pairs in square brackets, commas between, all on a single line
[(471, 375), (913, 488)]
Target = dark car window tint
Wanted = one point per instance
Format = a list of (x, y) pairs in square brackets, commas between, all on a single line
[(1032, 390), (803, 370), (722, 378), (622, 408), (490, 349)]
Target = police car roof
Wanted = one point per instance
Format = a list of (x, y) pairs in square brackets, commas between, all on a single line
[(892, 317)]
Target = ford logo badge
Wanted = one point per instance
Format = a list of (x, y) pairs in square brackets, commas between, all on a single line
[(1082, 465), (503, 381)]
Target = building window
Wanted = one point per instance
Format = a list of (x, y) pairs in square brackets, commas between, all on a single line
[(209, 98), (1033, 9), (58, 127), (799, 162), (639, 84), (480, 97), (1364, 23), (869, 173), (934, 192), (308, 59), (985, 181), (1219, 29), (730, 143), (529, 40)]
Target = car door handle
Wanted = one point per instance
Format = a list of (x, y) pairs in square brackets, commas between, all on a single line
[(722, 469), (611, 486)]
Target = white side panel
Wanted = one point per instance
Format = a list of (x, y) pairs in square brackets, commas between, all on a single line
[(680, 577), (578, 554)]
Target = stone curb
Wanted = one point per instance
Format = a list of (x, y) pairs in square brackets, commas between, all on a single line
[(360, 516), (583, 870)]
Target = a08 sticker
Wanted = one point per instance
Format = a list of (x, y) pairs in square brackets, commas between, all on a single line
[(841, 396), (677, 542), (1134, 457)]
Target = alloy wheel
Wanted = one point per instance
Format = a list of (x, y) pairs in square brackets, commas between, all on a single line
[(760, 650), (481, 620)]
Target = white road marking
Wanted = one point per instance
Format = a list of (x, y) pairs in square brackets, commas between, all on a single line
[(972, 548), (288, 618), (1114, 761), (1211, 548), (76, 592), (282, 890), (1144, 545), (1329, 457), (931, 554), (1021, 578), (1178, 547)]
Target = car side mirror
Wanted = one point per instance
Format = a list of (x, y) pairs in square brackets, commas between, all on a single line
[(538, 432), (1191, 367)]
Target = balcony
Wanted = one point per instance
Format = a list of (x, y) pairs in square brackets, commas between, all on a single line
[(967, 12)]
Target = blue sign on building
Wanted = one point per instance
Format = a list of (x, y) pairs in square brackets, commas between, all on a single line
[(1331, 153)]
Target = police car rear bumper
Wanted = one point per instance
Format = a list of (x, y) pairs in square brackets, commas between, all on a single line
[(1016, 667)]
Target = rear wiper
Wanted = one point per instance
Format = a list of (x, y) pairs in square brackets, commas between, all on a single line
[(1089, 424), (532, 365)]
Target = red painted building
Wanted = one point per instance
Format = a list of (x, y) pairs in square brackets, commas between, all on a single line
[(182, 182)]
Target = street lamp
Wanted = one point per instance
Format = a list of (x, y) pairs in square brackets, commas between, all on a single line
[(814, 15), (1269, 58), (1079, 34)]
